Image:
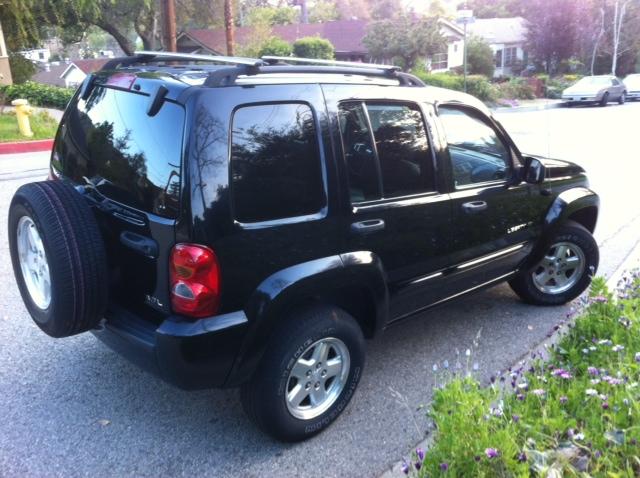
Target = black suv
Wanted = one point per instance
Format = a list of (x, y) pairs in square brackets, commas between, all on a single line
[(236, 222)]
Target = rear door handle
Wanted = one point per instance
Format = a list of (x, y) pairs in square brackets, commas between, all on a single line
[(368, 226), (474, 207)]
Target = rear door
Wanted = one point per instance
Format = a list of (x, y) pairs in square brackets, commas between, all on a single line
[(494, 218), (129, 165), (395, 208)]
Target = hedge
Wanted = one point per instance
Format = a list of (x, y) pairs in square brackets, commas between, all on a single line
[(38, 94), (477, 85)]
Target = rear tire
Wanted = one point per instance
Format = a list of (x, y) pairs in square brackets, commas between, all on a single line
[(51, 226), (269, 398), (622, 98), (552, 280)]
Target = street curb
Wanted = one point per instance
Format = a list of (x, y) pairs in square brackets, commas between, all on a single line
[(524, 109), (630, 262), (17, 147)]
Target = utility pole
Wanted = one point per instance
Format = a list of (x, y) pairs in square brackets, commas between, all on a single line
[(229, 27), (169, 10), (465, 17)]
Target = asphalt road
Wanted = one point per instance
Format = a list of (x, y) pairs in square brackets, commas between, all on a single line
[(72, 407)]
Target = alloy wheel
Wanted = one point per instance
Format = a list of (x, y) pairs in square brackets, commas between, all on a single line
[(33, 263), (560, 269)]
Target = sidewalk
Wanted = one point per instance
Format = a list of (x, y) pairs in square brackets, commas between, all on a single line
[(528, 105)]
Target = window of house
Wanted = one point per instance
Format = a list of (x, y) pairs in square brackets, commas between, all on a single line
[(276, 171), (510, 56), (477, 153), (386, 150), (498, 56), (440, 61)]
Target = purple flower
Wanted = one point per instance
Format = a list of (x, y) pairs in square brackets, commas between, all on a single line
[(605, 405), (564, 399), (417, 465), (598, 454), (405, 468), (515, 418), (520, 397), (444, 466), (637, 357), (522, 457), (477, 458), (491, 453), (539, 392), (420, 453), (600, 299), (592, 371)]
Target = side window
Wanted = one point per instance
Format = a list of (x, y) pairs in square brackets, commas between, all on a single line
[(275, 163), (386, 150), (477, 153)]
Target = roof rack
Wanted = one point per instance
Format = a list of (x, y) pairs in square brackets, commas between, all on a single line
[(314, 61), (173, 56)]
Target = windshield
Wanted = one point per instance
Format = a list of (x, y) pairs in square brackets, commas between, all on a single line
[(594, 81)]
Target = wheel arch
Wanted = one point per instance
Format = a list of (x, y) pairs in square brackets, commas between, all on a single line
[(355, 282)]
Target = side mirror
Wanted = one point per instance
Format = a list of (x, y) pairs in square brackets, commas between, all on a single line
[(534, 171)]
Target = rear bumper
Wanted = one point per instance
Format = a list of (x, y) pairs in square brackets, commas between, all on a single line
[(190, 355), (633, 95)]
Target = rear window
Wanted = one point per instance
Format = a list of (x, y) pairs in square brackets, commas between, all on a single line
[(131, 157)]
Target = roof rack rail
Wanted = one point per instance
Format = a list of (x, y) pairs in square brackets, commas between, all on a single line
[(314, 61), (175, 56)]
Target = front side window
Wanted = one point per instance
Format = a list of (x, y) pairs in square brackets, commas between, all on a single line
[(477, 153), (275, 163), (386, 150)]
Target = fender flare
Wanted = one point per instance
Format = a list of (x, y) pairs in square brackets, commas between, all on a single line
[(272, 299), (566, 204)]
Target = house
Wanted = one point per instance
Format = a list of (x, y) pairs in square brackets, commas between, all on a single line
[(454, 54), (345, 35), (76, 71), (68, 74), (37, 55), (506, 37)]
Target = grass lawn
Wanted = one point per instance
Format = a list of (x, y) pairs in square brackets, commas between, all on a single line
[(42, 125), (573, 412)]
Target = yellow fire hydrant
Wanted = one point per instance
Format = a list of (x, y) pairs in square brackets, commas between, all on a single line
[(23, 111)]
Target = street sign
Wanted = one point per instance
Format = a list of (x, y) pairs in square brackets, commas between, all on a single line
[(465, 16)]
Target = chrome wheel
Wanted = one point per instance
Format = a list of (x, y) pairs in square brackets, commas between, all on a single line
[(317, 378), (560, 269), (33, 263)]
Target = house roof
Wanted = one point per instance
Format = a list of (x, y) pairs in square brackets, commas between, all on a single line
[(345, 35), (51, 77), (90, 65), (500, 30)]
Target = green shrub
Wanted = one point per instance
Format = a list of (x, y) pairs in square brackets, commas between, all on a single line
[(275, 46), (516, 89), (572, 410), (477, 85), (313, 47), (21, 69), (38, 94), (480, 58)]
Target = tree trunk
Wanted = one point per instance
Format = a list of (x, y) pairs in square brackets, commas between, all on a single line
[(229, 27), (618, 17), (118, 36), (597, 42)]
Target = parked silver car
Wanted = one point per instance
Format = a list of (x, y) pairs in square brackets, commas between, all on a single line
[(632, 85), (595, 90)]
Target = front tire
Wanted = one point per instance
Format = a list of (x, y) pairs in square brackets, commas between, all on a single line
[(570, 261), (307, 375), (605, 99), (622, 98)]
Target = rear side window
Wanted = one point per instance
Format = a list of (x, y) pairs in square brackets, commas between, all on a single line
[(131, 157), (275, 163), (386, 150)]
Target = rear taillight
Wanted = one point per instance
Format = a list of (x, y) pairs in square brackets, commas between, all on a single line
[(195, 280)]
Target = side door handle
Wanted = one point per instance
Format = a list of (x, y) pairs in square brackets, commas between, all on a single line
[(474, 207), (368, 226)]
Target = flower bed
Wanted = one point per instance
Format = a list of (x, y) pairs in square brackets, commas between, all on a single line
[(573, 412)]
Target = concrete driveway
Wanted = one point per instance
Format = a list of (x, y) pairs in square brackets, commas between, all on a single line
[(72, 407)]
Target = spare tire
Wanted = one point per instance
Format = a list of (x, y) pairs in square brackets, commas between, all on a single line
[(58, 257)]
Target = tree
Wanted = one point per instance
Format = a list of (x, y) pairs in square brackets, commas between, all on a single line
[(22, 69), (620, 8), (323, 11), (405, 39), (272, 16), (551, 31), (479, 57), (313, 47), (494, 8)]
